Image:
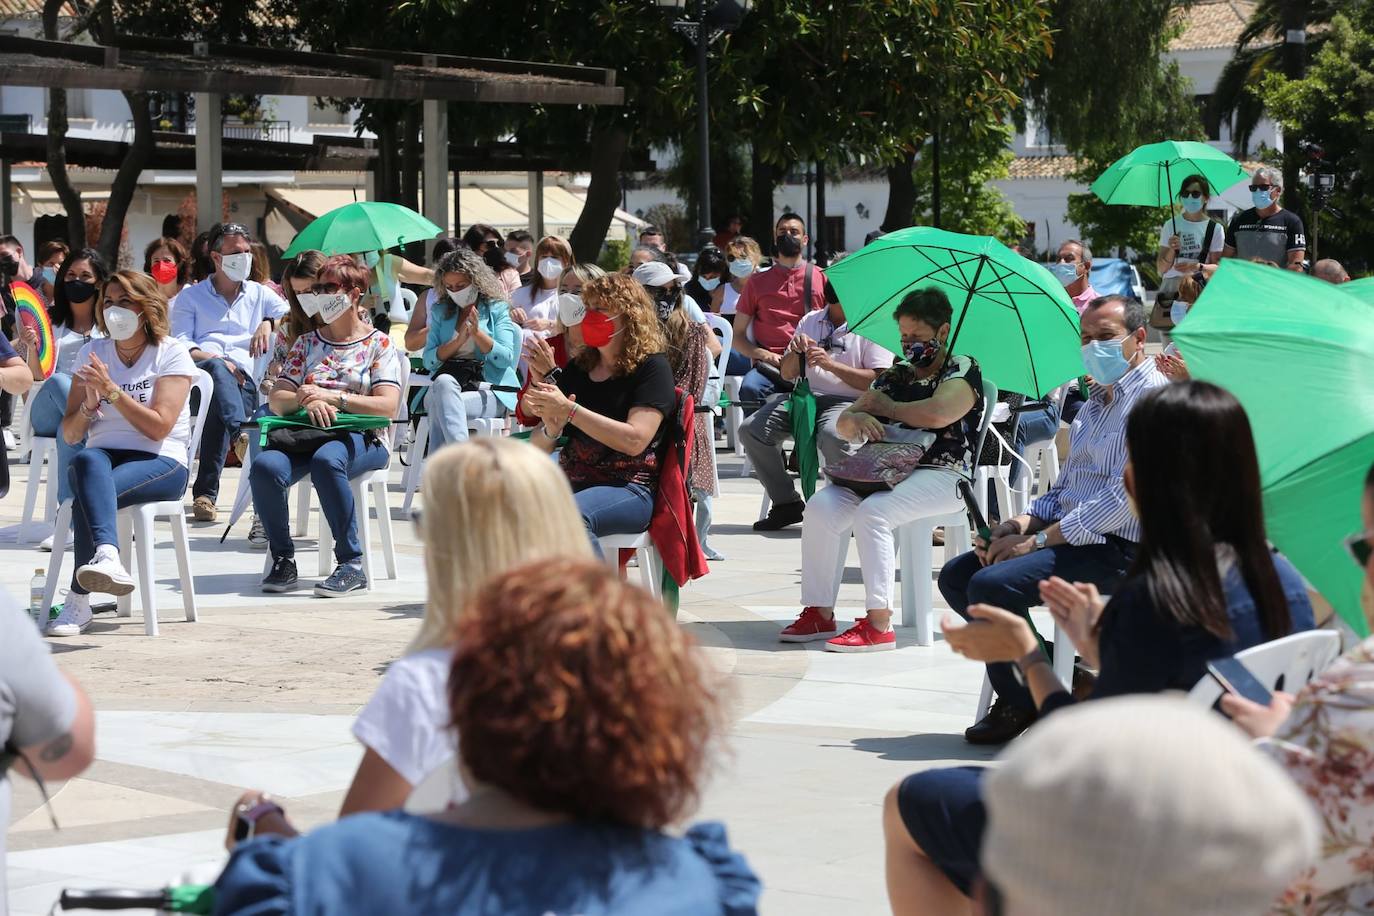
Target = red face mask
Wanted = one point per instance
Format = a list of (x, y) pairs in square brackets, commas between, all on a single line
[(597, 328), (164, 271)]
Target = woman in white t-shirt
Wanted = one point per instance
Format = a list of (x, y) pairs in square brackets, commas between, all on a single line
[(1183, 238), (129, 401), (743, 257), (490, 505), (535, 306)]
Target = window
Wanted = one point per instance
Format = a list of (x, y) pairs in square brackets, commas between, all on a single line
[(834, 233), (1211, 122), (322, 112), (1038, 136)]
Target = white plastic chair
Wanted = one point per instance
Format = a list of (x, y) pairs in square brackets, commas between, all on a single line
[(136, 531), (41, 449), (1064, 657), (1042, 458), (477, 426), (1281, 664), (650, 564), (722, 328)]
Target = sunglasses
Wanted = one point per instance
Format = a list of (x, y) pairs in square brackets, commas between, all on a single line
[(1261, 187), (1195, 195), (326, 288), (1357, 545)]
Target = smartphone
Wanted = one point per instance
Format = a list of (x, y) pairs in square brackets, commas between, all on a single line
[(1235, 678)]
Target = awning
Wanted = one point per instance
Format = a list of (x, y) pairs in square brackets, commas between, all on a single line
[(45, 202)]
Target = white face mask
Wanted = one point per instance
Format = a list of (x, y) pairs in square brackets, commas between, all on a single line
[(122, 323), (550, 268), (332, 305), (310, 303), (236, 266), (463, 297), (513, 258)]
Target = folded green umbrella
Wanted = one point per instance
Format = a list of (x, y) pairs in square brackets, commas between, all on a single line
[(1150, 175), (801, 410), (351, 422), (364, 225), (1298, 353)]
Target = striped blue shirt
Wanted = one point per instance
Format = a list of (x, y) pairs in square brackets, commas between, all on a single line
[(1088, 500)]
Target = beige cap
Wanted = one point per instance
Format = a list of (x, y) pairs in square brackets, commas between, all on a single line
[(1142, 806)]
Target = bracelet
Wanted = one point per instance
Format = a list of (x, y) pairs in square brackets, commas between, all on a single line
[(572, 413), (90, 414), (1031, 659)]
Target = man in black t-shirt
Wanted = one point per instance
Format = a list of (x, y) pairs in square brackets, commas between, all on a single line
[(1266, 230)]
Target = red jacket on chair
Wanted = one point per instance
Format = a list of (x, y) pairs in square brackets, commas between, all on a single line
[(672, 525)]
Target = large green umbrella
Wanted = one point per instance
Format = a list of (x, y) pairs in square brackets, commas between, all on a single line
[(364, 225), (1299, 355), (1010, 313), (801, 411), (1360, 289), (1150, 175)]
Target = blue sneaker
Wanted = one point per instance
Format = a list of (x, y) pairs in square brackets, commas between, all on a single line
[(346, 578)]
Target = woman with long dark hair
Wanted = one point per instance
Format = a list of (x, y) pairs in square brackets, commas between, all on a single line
[(1205, 584), (490, 246)]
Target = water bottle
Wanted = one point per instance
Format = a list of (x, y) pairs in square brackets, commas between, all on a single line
[(38, 585)]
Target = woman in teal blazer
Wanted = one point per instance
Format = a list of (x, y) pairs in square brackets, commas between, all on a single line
[(471, 350)]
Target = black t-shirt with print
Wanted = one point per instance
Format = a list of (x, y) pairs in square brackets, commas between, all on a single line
[(589, 463), (1269, 237)]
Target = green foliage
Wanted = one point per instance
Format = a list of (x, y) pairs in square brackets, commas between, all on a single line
[(615, 255), (1109, 230), (1333, 106), (969, 202), (677, 226)]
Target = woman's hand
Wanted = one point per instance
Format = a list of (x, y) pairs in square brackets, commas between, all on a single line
[(539, 356), (855, 425), (540, 325), (309, 393), (28, 337), (1172, 367), (1076, 608), (1255, 720), (262, 339), (548, 403), (993, 635), (873, 401), (95, 374), (90, 395), (321, 413), (518, 316), (271, 823)]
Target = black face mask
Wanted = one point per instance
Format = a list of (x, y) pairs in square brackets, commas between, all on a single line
[(665, 300), (78, 290), (788, 246)]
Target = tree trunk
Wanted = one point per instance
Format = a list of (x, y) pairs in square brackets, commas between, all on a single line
[(410, 157), (125, 182), (1294, 56), (764, 180), (386, 160), (57, 135), (603, 192), (901, 194)]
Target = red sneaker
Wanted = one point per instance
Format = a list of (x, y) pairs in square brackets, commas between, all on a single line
[(862, 637), (810, 626)]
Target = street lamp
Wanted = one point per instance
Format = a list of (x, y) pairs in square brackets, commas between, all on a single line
[(704, 21)]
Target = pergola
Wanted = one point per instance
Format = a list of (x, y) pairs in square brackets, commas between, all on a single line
[(210, 70)]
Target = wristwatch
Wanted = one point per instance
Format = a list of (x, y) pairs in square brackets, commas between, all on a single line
[(1041, 538), (343, 400), (1026, 662), (246, 817), (114, 394)]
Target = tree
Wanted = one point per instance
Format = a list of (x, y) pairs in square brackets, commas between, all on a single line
[(970, 202), (1333, 107)]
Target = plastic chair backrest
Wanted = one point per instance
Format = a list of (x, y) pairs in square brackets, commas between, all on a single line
[(989, 402), (403, 409), (1281, 664), (206, 386), (720, 325)]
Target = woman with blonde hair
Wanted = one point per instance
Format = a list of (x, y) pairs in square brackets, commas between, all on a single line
[(743, 256), (129, 401), (612, 402)]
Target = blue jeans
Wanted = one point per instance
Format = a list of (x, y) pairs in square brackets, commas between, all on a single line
[(1013, 585), (1034, 426), (758, 388), (103, 481), (231, 403), (46, 410), (625, 509), (450, 407), (738, 363), (331, 467)]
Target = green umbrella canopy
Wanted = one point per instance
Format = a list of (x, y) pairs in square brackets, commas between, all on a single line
[(1151, 175), (1010, 313), (1360, 289), (364, 225), (1299, 355)]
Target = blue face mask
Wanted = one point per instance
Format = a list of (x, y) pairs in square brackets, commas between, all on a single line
[(708, 283), (49, 275), (1262, 198), (372, 259), (1066, 274), (1192, 204), (1105, 361), (741, 267)]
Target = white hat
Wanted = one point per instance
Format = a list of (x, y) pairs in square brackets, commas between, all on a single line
[(1142, 806), (654, 273), (571, 309)]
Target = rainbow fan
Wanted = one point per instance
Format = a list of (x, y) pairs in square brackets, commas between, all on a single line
[(34, 314)]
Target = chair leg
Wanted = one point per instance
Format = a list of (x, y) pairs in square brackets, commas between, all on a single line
[(379, 499), (143, 550), (647, 570), (303, 490), (183, 549), (327, 548), (1063, 658), (984, 700), (917, 562), (39, 451), (59, 551), (125, 523), (360, 512), (416, 468)]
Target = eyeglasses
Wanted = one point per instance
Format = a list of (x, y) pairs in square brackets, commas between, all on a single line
[(1195, 195), (1261, 187), (1357, 545), (327, 288)]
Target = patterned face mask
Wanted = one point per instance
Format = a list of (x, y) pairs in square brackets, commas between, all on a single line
[(921, 353)]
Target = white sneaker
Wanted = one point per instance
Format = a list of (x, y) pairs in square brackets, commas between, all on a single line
[(75, 618), (257, 535), (45, 545), (11, 443), (105, 574)]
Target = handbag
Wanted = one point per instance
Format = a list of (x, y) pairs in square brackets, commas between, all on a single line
[(1160, 319), (297, 435), (466, 371), (879, 466)]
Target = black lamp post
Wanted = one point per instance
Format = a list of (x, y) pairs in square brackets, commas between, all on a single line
[(705, 21)]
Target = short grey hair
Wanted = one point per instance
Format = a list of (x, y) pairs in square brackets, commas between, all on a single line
[(1132, 310), (1271, 175), (466, 261), (1082, 247), (224, 231)]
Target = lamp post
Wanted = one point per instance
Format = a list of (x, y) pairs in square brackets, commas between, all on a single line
[(704, 22)]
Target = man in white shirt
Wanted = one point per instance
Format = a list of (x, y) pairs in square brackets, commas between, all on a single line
[(839, 366), (226, 321)]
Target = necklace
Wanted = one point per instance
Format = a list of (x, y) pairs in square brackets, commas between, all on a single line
[(131, 356)]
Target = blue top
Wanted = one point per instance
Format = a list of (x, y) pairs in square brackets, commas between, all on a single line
[(393, 862), (1143, 651), (498, 366), (203, 319)]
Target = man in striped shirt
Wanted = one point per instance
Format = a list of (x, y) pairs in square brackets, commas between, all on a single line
[(1083, 529)]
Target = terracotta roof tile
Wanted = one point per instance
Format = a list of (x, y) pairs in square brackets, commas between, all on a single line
[(1211, 24), (1031, 167)]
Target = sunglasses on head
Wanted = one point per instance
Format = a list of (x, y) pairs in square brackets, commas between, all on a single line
[(1357, 545)]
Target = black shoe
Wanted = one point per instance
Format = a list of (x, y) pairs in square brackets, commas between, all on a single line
[(780, 516), (282, 577), (345, 579), (1002, 723)]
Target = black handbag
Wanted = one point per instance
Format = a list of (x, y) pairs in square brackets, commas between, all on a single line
[(468, 372), (302, 440)]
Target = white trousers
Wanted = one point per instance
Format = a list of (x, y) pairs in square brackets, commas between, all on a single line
[(835, 511)]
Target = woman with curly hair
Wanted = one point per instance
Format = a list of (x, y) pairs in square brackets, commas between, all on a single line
[(471, 349), (587, 724), (611, 403)]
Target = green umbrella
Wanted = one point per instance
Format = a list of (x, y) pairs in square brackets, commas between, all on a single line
[(801, 410), (1010, 313), (1299, 355), (364, 225), (1150, 175), (1360, 289)]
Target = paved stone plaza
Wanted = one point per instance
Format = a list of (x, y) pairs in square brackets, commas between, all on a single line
[(262, 690)]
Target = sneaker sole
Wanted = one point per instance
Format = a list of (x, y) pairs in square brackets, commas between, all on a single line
[(257, 545), (68, 630), (876, 647), (327, 593), (279, 589), (95, 581), (797, 637)]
